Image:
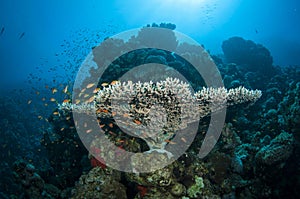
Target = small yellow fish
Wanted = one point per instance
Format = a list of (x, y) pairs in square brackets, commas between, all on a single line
[(91, 99), (52, 99), (90, 85), (89, 131), (77, 101), (183, 139), (55, 113), (54, 90), (65, 89), (104, 84)]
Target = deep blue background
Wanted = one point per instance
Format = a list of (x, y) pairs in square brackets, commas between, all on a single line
[(47, 23)]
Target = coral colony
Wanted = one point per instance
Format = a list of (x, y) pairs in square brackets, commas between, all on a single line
[(166, 106)]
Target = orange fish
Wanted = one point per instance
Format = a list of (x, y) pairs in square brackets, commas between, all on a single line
[(114, 82), (138, 122), (102, 111), (96, 90), (125, 115), (170, 142), (66, 101), (90, 85), (112, 133), (111, 125)]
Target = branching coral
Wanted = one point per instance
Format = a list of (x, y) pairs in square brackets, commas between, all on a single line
[(155, 111)]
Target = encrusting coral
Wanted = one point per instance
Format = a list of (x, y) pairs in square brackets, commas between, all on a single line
[(155, 111)]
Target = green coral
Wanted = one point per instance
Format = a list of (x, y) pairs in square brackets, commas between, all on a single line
[(196, 188)]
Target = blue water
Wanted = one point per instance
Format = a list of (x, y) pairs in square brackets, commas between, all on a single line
[(46, 24), (43, 44)]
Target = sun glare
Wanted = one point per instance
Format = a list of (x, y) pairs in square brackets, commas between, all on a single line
[(185, 2)]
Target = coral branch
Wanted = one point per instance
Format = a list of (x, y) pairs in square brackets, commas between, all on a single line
[(155, 111)]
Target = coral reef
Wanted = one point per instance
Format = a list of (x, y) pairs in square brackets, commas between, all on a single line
[(245, 52), (99, 183), (196, 188), (33, 185), (65, 151), (257, 155), (277, 152), (142, 103)]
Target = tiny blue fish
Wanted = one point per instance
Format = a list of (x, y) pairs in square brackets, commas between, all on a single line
[(22, 35), (2, 31)]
